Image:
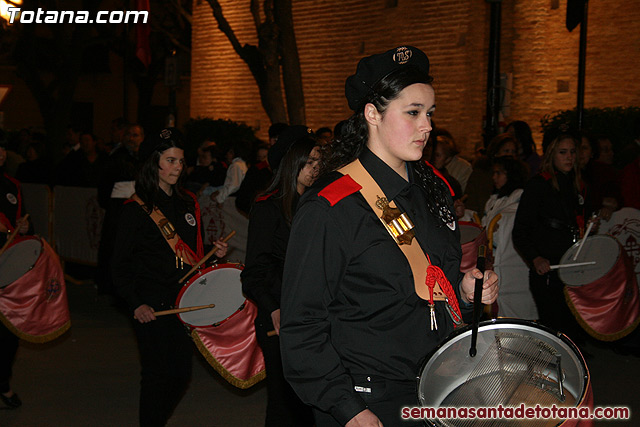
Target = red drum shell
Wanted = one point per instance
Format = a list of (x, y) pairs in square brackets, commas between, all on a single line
[(607, 304), (232, 348), (35, 307), (472, 236)]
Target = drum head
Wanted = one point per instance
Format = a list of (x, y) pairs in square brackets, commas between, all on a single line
[(604, 250), (219, 285), (516, 362), (18, 259), (469, 232)]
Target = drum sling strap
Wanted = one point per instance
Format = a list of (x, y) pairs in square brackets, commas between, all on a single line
[(430, 282), (183, 252)]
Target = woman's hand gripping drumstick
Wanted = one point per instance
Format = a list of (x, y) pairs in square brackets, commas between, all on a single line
[(22, 225), (593, 220), (219, 245)]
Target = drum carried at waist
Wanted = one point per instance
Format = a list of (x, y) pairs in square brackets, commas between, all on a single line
[(517, 362), (224, 334), (33, 294), (472, 236), (602, 296)]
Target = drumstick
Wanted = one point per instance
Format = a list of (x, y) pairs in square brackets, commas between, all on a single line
[(586, 234), (272, 333), (206, 257), (575, 264), (10, 238), (477, 301), (181, 310)]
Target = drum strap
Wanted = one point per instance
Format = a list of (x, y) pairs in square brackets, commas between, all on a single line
[(178, 246), (429, 281)]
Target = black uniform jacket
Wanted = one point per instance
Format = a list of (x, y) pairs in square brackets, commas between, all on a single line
[(266, 249), (144, 265), (349, 306), (10, 202), (546, 219)]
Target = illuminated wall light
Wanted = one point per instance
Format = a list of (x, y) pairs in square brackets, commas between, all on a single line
[(4, 8)]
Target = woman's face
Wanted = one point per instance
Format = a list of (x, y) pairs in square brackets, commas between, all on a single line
[(499, 177), (309, 172), (507, 149), (565, 156), (169, 168), (401, 132), (585, 152), (439, 157), (606, 151)]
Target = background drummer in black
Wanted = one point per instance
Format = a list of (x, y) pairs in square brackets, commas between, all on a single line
[(146, 272), (295, 157), (353, 330), (549, 219), (12, 220)]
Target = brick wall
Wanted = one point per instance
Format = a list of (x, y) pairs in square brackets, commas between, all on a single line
[(333, 35)]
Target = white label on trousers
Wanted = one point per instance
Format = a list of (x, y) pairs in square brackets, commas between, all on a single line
[(362, 389)]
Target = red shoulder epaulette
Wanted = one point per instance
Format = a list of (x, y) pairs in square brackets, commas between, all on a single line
[(546, 175), (439, 175), (262, 165), (128, 201), (339, 189), (265, 196)]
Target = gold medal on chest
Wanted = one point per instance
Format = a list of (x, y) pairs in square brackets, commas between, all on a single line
[(397, 223)]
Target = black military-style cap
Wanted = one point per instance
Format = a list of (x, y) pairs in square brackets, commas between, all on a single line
[(285, 140), (166, 138), (374, 68)]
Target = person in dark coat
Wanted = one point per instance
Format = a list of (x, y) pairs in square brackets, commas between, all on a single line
[(354, 330), (295, 156), (147, 268)]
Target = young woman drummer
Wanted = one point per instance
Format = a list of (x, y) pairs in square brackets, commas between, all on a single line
[(353, 328), (295, 158), (149, 260), (549, 219), (12, 220)]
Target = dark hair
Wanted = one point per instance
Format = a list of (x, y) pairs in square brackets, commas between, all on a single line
[(285, 181), (276, 129), (498, 141), (354, 134), (516, 172), (147, 180), (522, 133), (593, 143), (439, 135)]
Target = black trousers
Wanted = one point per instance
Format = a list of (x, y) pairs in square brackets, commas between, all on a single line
[(284, 407), (553, 311), (166, 353), (8, 349), (384, 398)]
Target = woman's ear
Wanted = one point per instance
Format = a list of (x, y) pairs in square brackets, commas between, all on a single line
[(371, 114)]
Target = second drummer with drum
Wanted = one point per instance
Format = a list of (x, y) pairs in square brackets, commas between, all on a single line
[(355, 324), (159, 237)]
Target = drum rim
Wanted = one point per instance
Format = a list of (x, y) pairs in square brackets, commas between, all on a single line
[(508, 321), (596, 236), (197, 275), (23, 239)]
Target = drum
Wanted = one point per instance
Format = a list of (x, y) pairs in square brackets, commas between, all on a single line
[(517, 362), (472, 236), (604, 296), (18, 259), (220, 285), (34, 305), (225, 334)]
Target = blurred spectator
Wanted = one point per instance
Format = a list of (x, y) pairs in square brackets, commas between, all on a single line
[(324, 135), (522, 133), (37, 169)]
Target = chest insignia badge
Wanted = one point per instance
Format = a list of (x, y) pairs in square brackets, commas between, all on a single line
[(12, 199), (397, 223), (190, 219)]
